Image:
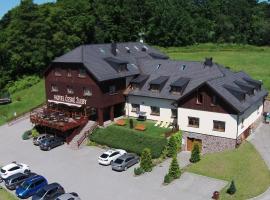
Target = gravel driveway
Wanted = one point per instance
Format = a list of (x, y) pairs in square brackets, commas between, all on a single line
[(79, 171)]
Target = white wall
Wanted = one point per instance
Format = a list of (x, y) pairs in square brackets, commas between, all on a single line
[(206, 122), (145, 106), (250, 116)]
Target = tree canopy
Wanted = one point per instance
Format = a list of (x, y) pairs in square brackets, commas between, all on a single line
[(32, 35)]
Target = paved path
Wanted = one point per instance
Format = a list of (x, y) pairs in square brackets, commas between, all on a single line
[(261, 140), (79, 171)]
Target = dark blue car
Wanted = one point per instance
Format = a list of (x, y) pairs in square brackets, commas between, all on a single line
[(30, 186)]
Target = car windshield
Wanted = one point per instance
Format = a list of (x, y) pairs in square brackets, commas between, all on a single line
[(3, 171), (25, 185), (41, 193), (104, 155), (118, 161)]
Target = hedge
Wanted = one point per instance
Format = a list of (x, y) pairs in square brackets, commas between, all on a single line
[(129, 140)]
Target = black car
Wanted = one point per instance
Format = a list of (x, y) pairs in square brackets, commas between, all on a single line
[(49, 143), (15, 180), (49, 192)]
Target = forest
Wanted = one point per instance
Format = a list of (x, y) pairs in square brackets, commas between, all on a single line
[(32, 35)]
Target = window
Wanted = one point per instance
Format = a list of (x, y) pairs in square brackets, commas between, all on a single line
[(82, 73), (219, 126), (135, 86), (155, 110), (214, 100), (176, 90), (193, 122), (242, 123), (199, 98), (54, 88), (122, 68), (154, 88), (112, 89), (69, 74), (57, 72), (135, 108), (174, 113), (87, 92), (14, 168), (70, 90)]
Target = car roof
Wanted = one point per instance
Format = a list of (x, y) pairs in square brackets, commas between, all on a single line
[(34, 178), (7, 167), (110, 151), (126, 155), (50, 186)]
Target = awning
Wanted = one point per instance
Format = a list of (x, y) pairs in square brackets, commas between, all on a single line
[(68, 104)]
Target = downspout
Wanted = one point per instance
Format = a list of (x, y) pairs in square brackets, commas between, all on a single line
[(237, 131)]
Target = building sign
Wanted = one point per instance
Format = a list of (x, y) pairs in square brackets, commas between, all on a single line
[(68, 99)]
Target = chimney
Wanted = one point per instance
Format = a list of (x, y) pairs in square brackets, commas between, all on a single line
[(113, 48), (208, 62)]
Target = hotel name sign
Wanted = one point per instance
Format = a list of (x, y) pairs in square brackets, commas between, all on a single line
[(68, 99)]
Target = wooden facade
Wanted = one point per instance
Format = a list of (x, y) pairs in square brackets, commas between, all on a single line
[(103, 103), (211, 102)]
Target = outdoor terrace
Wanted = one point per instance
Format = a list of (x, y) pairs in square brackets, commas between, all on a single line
[(57, 119)]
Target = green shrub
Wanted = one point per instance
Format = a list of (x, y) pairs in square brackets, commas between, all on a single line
[(195, 154), (167, 179), (138, 171), (174, 170), (232, 189), (130, 140), (172, 147), (25, 82), (35, 133), (178, 139), (27, 135), (146, 160)]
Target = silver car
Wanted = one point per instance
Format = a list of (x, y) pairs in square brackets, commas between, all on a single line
[(68, 196), (36, 141), (125, 161)]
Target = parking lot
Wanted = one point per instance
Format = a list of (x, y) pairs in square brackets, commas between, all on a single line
[(78, 171)]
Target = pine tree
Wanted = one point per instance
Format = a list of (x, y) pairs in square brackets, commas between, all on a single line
[(232, 189), (172, 147), (131, 125), (146, 160), (195, 154), (174, 170)]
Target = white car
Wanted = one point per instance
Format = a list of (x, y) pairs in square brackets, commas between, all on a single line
[(13, 168), (111, 155)]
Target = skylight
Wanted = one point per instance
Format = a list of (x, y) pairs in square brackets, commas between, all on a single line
[(136, 48), (102, 50), (158, 66), (183, 67)]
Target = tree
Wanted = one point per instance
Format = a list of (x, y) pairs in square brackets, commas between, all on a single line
[(195, 154), (232, 189), (174, 170), (131, 125), (172, 147), (35, 133), (146, 160)]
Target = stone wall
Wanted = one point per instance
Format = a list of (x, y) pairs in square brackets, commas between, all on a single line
[(210, 143)]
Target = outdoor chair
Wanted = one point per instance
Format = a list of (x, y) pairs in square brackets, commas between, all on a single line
[(163, 124), (158, 123)]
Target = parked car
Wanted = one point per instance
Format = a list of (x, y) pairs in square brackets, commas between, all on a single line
[(51, 142), (36, 141), (109, 156), (30, 186), (69, 196), (125, 161), (49, 192), (16, 179), (13, 168)]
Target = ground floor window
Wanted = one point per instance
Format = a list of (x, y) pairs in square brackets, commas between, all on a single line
[(135, 107), (219, 126), (174, 113), (155, 110), (87, 92), (193, 122)]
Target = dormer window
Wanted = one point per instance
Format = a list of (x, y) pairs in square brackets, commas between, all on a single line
[(82, 73), (135, 86), (139, 81), (175, 90), (154, 88), (57, 72), (122, 68), (236, 92), (112, 89), (178, 86), (157, 84)]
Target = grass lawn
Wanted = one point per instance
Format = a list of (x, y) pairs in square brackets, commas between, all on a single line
[(131, 140), (151, 130), (23, 101), (5, 195), (253, 60), (243, 165)]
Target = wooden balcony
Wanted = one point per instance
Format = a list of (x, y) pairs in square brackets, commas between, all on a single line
[(57, 120)]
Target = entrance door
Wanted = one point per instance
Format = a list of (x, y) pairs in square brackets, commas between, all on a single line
[(191, 142)]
